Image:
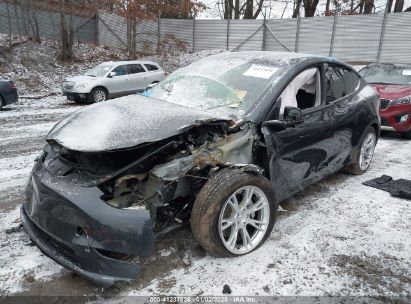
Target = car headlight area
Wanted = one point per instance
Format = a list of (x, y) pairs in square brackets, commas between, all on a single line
[(402, 100), (81, 86)]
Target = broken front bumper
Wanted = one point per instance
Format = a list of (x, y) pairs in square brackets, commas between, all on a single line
[(77, 229), (391, 117), (75, 96)]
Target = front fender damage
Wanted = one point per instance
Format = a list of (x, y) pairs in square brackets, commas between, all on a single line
[(234, 150)]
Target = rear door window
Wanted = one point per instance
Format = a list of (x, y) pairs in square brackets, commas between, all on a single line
[(340, 83), (151, 67), (136, 68)]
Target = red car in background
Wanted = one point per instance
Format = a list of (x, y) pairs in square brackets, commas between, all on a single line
[(393, 83)]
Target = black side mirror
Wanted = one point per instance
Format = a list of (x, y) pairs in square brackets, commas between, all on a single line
[(293, 114)]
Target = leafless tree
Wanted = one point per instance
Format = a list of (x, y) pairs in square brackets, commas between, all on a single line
[(31, 17), (67, 32), (8, 22), (310, 7), (240, 9), (297, 7), (399, 6)]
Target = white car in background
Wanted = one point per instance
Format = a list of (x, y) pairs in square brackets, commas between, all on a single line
[(111, 80)]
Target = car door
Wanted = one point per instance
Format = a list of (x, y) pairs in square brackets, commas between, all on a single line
[(119, 83), (301, 152), (138, 77), (350, 115)]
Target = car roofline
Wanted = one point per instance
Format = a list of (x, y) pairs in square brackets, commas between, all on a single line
[(131, 62)]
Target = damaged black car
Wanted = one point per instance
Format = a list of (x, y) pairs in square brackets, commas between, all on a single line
[(217, 145)]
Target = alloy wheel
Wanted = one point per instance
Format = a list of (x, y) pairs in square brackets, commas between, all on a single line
[(244, 219), (367, 151), (99, 96)]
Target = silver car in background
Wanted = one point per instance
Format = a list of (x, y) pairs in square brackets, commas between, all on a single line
[(111, 80)]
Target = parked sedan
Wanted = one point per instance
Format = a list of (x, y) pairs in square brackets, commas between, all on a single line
[(8, 93), (218, 144), (393, 83), (112, 79)]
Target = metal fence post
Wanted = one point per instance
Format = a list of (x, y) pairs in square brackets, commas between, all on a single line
[(297, 34), (158, 34), (333, 32), (384, 22), (96, 32), (193, 49), (16, 15), (264, 34), (228, 34)]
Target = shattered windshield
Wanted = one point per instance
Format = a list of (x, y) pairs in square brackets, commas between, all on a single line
[(230, 85), (387, 74), (99, 70)]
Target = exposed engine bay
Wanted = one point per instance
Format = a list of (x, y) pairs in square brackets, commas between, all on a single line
[(162, 177)]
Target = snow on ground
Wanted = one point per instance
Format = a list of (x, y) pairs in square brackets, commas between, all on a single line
[(342, 239), (21, 263), (24, 126)]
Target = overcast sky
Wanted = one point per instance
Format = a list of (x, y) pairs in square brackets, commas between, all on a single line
[(281, 8)]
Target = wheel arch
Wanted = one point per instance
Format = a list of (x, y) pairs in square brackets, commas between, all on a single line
[(377, 129), (248, 168), (90, 97), (100, 86)]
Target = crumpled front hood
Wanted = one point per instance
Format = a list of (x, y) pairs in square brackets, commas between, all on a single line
[(125, 122)]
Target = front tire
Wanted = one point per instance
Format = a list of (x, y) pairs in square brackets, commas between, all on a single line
[(233, 213), (98, 95), (364, 154)]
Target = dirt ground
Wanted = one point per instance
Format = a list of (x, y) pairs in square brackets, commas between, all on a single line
[(338, 237)]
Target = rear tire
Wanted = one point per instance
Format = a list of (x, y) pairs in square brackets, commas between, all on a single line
[(406, 135), (2, 103), (212, 223), (98, 94), (364, 153)]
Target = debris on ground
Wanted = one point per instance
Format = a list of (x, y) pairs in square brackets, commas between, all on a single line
[(400, 187), (14, 229), (226, 289)]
